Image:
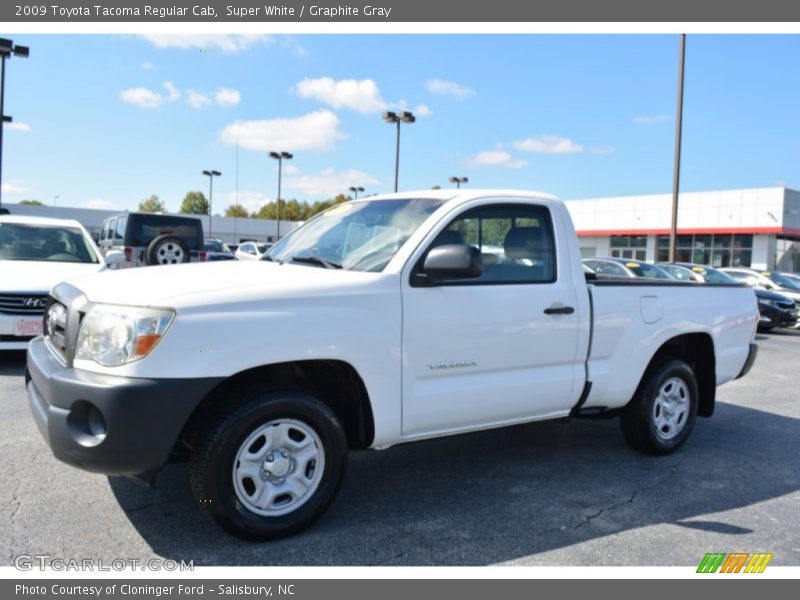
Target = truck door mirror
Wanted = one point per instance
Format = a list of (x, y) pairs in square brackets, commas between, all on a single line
[(452, 261)]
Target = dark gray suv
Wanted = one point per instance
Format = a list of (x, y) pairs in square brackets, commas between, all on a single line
[(153, 239)]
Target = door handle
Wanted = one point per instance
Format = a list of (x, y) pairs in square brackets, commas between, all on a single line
[(559, 310)]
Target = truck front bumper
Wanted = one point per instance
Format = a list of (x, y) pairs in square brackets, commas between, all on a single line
[(108, 424)]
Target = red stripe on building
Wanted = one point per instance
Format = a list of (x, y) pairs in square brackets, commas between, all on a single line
[(692, 231)]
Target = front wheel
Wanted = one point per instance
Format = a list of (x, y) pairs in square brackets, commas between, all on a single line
[(270, 467), (662, 413)]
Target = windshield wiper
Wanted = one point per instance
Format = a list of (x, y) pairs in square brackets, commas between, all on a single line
[(317, 260)]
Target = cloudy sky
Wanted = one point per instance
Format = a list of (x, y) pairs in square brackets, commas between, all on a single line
[(105, 121)]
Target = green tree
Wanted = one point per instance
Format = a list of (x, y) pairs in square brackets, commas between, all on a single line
[(152, 205), (32, 202), (436, 187), (194, 203), (236, 210)]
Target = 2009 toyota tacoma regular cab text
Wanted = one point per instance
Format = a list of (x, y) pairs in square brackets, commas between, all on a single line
[(380, 321)]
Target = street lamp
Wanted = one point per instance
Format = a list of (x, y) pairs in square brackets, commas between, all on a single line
[(458, 181), (403, 117), (280, 157), (355, 190), (211, 174), (7, 49)]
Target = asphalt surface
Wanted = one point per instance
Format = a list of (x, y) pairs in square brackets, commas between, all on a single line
[(554, 493)]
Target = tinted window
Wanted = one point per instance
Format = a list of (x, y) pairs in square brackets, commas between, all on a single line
[(515, 241), (144, 229)]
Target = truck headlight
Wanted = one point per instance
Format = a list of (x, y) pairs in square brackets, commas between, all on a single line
[(764, 302), (116, 335)]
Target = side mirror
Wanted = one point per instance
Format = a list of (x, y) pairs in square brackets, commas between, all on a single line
[(456, 261), (114, 258)]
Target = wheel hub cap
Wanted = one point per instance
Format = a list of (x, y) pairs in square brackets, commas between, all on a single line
[(278, 467), (671, 408)]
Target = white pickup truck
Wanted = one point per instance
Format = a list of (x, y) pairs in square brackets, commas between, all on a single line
[(381, 321)]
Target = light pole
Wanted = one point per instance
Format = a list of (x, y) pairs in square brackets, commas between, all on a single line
[(458, 181), (676, 172), (280, 157), (355, 190), (7, 49), (403, 117), (211, 174)]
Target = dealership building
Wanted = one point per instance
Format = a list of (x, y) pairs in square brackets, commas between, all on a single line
[(748, 227)]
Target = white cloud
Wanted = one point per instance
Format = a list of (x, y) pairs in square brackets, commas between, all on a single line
[(495, 158), (358, 95), (147, 66), (172, 92), (423, 110), (602, 150), (649, 119), (329, 183), (226, 43), (227, 96), (197, 99), (449, 88), (12, 188), (250, 199), (18, 126), (315, 131), (547, 144), (147, 98), (99, 203), (291, 169)]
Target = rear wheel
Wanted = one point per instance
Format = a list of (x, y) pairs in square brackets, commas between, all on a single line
[(662, 413), (270, 467), (167, 250)]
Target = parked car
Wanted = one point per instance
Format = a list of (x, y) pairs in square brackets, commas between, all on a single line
[(35, 255), (680, 272), (756, 278), (217, 250), (391, 329), (625, 267), (153, 238), (252, 250), (787, 281)]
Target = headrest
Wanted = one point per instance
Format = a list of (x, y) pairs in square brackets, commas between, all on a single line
[(524, 242), (448, 237)]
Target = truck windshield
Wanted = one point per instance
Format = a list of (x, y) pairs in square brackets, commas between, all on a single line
[(20, 241), (361, 235)]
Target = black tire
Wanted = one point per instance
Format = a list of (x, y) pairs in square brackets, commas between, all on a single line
[(213, 458), (167, 249), (638, 418)]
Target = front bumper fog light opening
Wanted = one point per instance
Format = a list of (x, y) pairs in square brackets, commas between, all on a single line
[(86, 424)]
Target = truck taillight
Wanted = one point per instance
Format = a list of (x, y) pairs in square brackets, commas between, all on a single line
[(202, 256), (128, 254)]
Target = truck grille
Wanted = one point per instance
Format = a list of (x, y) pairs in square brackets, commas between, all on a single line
[(27, 304), (786, 305)]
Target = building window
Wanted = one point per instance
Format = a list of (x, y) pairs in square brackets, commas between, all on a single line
[(788, 254), (629, 246), (724, 250)]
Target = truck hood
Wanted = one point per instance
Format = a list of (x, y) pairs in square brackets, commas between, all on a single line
[(222, 282), (38, 275)]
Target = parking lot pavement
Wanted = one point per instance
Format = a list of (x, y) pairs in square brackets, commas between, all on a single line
[(555, 493)]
